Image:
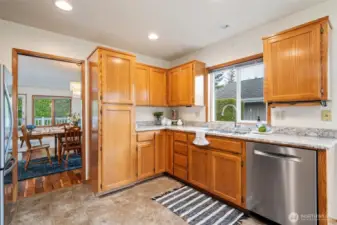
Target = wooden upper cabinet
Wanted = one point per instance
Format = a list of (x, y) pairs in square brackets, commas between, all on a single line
[(198, 167), (142, 84), (172, 81), (117, 77), (160, 151), (118, 142), (150, 86), (296, 63), (146, 159), (186, 84), (226, 176), (158, 93)]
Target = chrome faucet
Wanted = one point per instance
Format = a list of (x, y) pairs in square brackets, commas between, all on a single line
[(235, 109)]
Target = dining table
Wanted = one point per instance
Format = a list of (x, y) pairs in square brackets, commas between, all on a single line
[(57, 132)]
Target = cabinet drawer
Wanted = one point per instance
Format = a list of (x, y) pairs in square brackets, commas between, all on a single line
[(178, 136), (180, 160), (180, 148), (225, 144), (145, 136), (180, 173)]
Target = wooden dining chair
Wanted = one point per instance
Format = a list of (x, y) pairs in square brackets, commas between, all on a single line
[(72, 141), (31, 149), (36, 137)]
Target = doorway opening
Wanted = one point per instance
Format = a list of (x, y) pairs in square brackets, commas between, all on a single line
[(49, 123)]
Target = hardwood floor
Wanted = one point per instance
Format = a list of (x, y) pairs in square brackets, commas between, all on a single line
[(30, 187)]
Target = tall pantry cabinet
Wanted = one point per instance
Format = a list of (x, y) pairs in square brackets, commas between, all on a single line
[(112, 131)]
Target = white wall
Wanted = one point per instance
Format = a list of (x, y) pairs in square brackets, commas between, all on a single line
[(76, 105), (146, 113), (15, 35), (249, 43)]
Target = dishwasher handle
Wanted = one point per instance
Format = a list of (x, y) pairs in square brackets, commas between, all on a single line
[(278, 156)]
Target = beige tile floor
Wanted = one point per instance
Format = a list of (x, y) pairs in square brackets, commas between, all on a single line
[(78, 206)]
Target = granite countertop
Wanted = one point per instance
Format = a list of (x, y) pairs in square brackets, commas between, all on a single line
[(318, 143)]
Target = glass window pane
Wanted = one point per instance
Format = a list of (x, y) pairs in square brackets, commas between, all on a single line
[(20, 111), (62, 110), (42, 112), (225, 94), (252, 105)]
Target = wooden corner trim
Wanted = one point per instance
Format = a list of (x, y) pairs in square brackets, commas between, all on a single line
[(47, 56), (236, 61), (114, 50), (153, 67), (323, 19), (193, 61)]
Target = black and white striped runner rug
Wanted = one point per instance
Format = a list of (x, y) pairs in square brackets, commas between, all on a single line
[(199, 209)]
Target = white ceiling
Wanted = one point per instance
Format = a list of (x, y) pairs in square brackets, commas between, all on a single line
[(44, 73), (183, 25)]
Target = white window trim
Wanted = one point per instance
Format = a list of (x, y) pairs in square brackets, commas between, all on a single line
[(238, 101)]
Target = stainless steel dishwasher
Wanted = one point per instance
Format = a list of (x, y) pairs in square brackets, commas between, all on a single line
[(282, 183)]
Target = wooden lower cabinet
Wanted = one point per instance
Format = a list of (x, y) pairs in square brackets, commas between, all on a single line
[(118, 152), (160, 151), (146, 160), (226, 176), (198, 167), (169, 152)]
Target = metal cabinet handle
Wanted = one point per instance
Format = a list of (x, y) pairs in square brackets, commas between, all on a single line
[(278, 156)]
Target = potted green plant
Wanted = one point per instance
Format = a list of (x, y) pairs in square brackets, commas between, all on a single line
[(158, 115)]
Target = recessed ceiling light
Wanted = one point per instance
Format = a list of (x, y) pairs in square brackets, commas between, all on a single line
[(153, 36), (64, 5)]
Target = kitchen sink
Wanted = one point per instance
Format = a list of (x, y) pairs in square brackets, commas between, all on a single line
[(230, 131)]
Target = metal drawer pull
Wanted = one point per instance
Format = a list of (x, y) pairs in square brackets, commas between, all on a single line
[(278, 156)]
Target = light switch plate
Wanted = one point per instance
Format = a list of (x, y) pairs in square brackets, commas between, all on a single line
[(326, 115)]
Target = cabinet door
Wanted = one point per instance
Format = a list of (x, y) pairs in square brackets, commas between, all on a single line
[(118, 158), (173, 83), (142, 85), (185, 85), (117, 77), (226, 176), (146, 159), (158, 87), (169, 152), (293, 65), (160, 151), (198, 167)]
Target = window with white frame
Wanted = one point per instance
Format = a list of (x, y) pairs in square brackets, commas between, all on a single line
[(238, 89)]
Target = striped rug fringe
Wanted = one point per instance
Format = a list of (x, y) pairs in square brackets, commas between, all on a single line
[(197, 208)]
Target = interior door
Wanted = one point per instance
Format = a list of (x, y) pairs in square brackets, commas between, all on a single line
[(117, 77), (118, 158), (293, 65)]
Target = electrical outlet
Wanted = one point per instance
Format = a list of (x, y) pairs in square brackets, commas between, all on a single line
[(326, 115)]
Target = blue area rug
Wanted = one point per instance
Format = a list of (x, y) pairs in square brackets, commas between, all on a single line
[(38, 170)]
